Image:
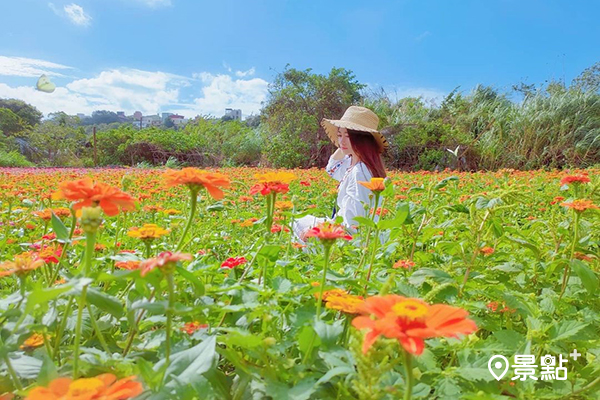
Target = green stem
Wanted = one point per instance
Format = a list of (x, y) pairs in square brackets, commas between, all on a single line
[(327, 250), (133, 331), (148, 244), (12, 372), (568, 265), (78, 332), (194, 200), (97, 329), (171, 289), (61, 328), (375, 247), (409, 379)]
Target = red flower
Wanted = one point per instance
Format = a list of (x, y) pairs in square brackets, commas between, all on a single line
[(233, 262), (574, 179), (328, 232), (191, 327), (165, 261)]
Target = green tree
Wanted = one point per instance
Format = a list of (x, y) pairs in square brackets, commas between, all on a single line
[(297, 102), (28, 113), (57, 145), (11, 124)]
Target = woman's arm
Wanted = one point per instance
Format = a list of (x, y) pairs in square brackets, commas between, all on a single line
[(336, 167)]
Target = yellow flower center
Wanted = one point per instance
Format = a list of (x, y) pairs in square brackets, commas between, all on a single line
[(411, 309), (85, 386)]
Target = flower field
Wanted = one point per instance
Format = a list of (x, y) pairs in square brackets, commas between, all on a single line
[(189, 284)]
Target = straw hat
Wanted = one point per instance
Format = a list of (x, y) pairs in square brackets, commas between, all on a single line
[(359, 119)]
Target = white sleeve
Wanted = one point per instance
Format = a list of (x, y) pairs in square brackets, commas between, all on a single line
[(354, 200), (337, 168)]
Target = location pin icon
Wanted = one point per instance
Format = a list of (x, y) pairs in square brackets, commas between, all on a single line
[(495, 367)]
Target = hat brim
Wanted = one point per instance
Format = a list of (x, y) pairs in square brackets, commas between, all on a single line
[(331, 126)]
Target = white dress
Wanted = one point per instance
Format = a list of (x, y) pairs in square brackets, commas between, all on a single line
[(352, 196)]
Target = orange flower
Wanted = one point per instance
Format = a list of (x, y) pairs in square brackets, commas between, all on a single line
[(338, 299), (410, 321), (22, 264), (581, 205), (165, 262), (375, 185), (129, 265), (195, 178), (406, 264), (577, 179), (487, 250), (191, 327), (277, 182), (33, 341), (327, 232), (87, 194), (103, 386)]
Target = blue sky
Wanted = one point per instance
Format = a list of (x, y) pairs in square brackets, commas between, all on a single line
[(200, 57)]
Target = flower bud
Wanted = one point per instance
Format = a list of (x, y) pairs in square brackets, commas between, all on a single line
[(91, 218)]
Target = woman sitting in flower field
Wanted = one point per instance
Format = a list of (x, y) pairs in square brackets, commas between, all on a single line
[(357, 159)]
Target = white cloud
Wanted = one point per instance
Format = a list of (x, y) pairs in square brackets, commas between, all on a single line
[(155, 3), (28, 67), (76, 14), (222, 91), (422, 36), (130, 90), (245, 73)]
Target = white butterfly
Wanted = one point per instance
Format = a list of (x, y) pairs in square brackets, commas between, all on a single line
[(44, 85), (455, 152)]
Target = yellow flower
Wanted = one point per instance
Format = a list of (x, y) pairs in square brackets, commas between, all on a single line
[(284, 205), (172, 211), (33, 341), (22, 264), (276, 177), (148, 232)]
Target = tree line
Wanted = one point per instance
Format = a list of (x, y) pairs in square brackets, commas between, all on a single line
[(551, 126)]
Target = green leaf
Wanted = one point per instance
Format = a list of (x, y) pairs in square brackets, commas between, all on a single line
[(105, 302), (218, 206), (304, 338), (365, 221), (62, 235), (565, 330), (526, 244), (589, 280), (475, 374), (43, 296), (300, 391), (400, 218), (185, 366), (328, 333), (48, 371), (270, 252), (444, 182), (191, 278)]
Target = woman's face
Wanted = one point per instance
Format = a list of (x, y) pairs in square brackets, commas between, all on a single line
[(344, 141)]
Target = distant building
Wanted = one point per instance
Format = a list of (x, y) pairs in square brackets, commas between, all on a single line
[(121, 115), (137, 115), (233, 113), (178, 120), (151, 120)]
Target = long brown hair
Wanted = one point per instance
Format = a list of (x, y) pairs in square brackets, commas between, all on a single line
[(366, 148)]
